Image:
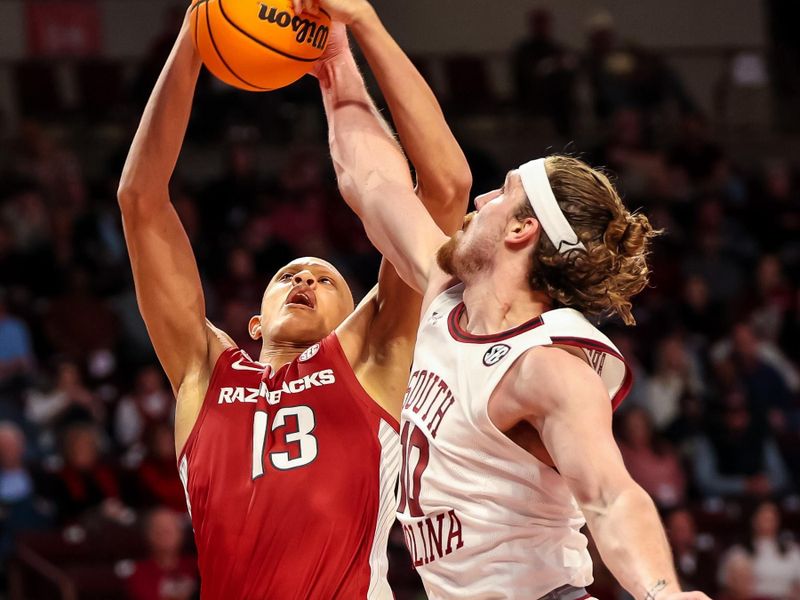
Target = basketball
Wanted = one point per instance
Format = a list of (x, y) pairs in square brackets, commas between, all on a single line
[(257, 46)]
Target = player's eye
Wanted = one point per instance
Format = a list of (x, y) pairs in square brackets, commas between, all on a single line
[(327, 280), (285, 277)]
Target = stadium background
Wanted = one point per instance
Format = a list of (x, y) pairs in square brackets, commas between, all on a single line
[(693, 106)]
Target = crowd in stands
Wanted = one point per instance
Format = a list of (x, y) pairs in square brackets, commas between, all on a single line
[(711, 428)]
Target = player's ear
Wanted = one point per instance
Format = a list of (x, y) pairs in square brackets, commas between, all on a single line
[(254, 327), (521, 232)]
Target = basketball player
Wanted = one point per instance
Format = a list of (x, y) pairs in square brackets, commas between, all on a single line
[(506, 424), (290, 460)]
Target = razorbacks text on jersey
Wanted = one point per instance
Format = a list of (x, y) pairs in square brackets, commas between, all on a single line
[(290, 480), (482, 518)]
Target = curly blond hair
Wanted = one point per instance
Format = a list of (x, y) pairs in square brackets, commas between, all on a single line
[(602, 279)]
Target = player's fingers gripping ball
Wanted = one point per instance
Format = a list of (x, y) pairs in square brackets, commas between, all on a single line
[(257, 46)]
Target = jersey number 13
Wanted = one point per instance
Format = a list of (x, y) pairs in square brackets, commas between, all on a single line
[(301, 436)]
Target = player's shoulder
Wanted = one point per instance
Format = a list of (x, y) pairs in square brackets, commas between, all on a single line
[(554, 373)]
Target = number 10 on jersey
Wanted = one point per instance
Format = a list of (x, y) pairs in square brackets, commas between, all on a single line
[(299, 435)]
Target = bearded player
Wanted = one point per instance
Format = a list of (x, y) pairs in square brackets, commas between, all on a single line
[(506, 425), (289, 461)]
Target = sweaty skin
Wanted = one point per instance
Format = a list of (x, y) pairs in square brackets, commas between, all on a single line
[(377, 337)]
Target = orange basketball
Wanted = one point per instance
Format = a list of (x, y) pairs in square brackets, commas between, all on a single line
[(257, 46)]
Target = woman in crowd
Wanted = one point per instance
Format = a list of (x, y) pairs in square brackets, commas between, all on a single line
[(775, 559)]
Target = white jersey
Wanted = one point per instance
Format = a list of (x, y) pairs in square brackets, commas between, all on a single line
[(482, 518)]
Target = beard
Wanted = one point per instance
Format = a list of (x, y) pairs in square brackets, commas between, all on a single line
[(460, 258)]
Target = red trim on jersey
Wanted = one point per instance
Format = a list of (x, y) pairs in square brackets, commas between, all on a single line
[(219, 367), (586, 597), (627, 382), (354, 385), (461, 335)]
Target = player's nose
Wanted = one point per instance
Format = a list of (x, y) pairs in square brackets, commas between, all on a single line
[(484, 199), (306, 277)]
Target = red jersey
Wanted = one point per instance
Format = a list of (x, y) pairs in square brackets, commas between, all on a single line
[(290, 480)]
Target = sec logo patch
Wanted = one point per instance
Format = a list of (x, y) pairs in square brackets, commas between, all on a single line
[(495, 354), (309, 353)]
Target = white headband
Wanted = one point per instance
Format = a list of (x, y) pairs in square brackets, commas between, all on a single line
[(540, 194)]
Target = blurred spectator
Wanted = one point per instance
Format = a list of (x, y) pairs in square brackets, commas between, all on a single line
[(775, 559), (757, 366), (737, 456), (629, 153), (228, 201), (26, 213), (157, 53), (651, 461), (626, 76), (78, 323), (150, 404), (16, 484), (241, 281), (304, 200), (157, 476), (168, 574), (67, 401), (699, 316), (16, 353), (709, 262), (98, 243), (785, 61), (694, 153), (83, 483), (695, 556), (790, 333), (772, 298), (19, 509), (736, 578), (544, 72), (691, 422), (676, 375)]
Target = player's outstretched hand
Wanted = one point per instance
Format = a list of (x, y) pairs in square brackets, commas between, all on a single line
[(344, 11), (685, 596)]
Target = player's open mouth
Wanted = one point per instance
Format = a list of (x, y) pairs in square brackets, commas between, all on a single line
[(304, 298)]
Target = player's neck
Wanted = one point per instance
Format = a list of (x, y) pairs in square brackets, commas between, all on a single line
[(276, 354), (495, 304)]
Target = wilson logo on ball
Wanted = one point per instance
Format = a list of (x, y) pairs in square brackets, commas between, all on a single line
[(306, 31)]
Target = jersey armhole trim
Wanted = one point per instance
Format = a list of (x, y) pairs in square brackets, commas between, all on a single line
[(351, 381), (586, 343), (219, 367)]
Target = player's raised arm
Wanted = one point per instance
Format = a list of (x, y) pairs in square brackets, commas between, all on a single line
[(165, 273), (373, 174), (572, 413), (443, 175)]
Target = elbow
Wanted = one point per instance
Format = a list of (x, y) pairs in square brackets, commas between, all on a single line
[(129, 194), (461, 184), (451, 192), (127, 197), (133, 199), (600, 499)]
